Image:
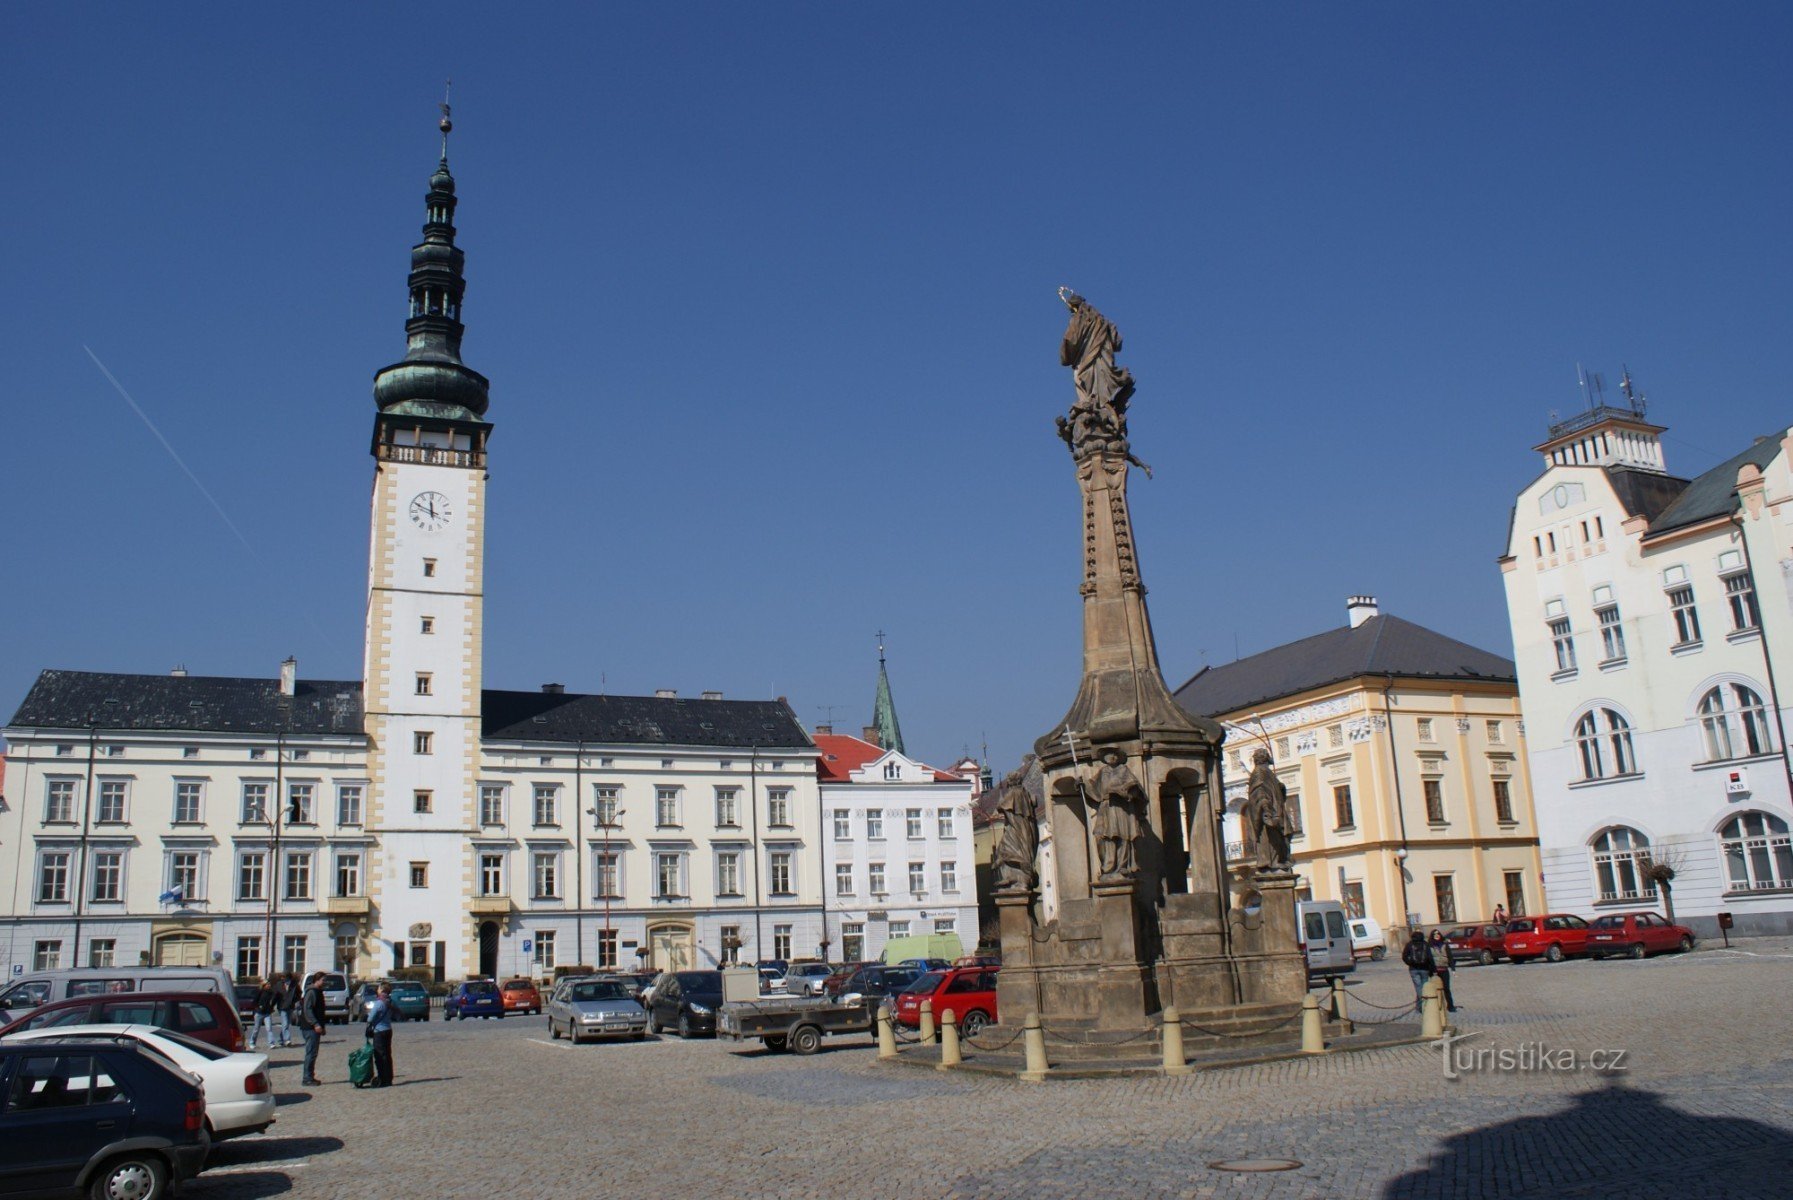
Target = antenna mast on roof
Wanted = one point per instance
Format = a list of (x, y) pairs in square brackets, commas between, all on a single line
[(1633, 396)]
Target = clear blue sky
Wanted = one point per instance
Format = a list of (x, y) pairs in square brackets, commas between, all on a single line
[(766, 296)]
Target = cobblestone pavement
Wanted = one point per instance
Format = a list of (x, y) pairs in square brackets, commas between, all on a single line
[(1703, 1108)]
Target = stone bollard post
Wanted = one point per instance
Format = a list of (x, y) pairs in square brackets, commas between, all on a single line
[(886, 1035), (1172, 1032), (949, 1040), (1313, 1037), (927, 1022), (1339, 1012), (1033, 1043), (1431, 1005)]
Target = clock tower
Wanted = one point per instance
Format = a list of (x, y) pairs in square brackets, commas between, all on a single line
[(425, 597)]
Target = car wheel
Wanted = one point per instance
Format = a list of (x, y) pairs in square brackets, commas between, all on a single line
[(1486, 958), (1637, 950), (684, 1026), (1379, 953), (553, 1030), (653, 1022), (139, 1176), (806, 1039), (1686, 944), (973, 1024), (1554, 954)]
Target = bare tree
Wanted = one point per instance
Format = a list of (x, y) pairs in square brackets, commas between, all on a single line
[(1660, 866)]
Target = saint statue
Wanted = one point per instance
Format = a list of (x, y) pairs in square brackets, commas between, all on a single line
[(1099, 417), (1018, 847), (1117, 793), (1267, 814)]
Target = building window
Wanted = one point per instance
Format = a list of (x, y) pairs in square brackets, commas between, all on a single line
[(1612, 632), (252, 876), (47, 955), (875, 878), (429, 568), (604, 808), (1434, 790), (728, 808), (779, 875), (257, 753), (606, 948), (1604, 739), (423, 683), (912, 825), (1497, 733), (426, 624), (1735, 723), (1621, 855), (249, 958), (1687, 617), (1515, 888), (59, 802), (544, 951), (299, 797), (1740, 594), (491, 874), (547, 876), (899, 929), (108, 876), (778, 808), (852, 941), (949, 876), (843, 825), (946, 827), (348, 804), (946, 924), (420, 954), (874, 824), (420, 874), (348, 873), (731, 943), (298, 876), (1758, 853), (666, 876), (347, 946), (255, 804), (1425, 730), (52, 877), (607, 875), (1341, 807), (666, 807), (491, 804), (781, 941), (1351, 895), (423, 801), (1564, 642), (188, 794), (728, 873), (893, 770), (292, 954), (112, 802), (843, 881), (1445, 888), (421, 742), (918, 877), (184, 878), (102, 952), (547, 796), (1503, 802)]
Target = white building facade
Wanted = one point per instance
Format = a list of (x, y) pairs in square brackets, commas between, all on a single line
[(1651, 621)]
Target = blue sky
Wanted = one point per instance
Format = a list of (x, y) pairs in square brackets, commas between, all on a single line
[(766, 296)]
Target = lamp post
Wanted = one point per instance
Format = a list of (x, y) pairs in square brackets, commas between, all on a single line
[(578, 856), (598, 816), (80, 881)]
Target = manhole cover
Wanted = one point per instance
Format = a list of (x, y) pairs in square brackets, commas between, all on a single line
[(1255, 1164)]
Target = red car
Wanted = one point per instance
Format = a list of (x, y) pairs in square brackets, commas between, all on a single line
[(1485, 944), (208, 1016), (969, 991), (520, 995), (1636, 934), (1553, 937)]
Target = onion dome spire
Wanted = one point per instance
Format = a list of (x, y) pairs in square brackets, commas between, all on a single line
[(431, 374)]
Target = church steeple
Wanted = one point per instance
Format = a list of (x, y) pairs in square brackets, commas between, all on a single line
[(884, 718), (431, 380)]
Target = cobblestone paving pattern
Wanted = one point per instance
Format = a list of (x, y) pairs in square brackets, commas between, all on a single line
[(1704, 1110)]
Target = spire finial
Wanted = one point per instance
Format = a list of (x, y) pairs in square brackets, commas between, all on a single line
[(446, 125), (880, 636)]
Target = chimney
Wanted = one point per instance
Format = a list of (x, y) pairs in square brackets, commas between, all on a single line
[(554, 689), (180, 671), (1360, 609), (712, 695), (289, 676), (869, 733), (824, 729), (666, 693)]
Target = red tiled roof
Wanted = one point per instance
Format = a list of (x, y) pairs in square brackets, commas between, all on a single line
[(842, 754)]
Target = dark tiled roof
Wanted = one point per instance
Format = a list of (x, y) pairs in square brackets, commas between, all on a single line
[(189, 703), (1644, 493), (642, 720), (1713, 493), (1382, 645)]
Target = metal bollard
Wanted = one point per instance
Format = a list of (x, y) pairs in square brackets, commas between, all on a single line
[(1431, 1009), (886, 1035), (1033, 1043), (949, 1041), (927, 1022), (1338, 1000), (1172, 1032), (1313, 1036)]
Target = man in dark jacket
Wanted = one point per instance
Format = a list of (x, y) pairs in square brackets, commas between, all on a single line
[(1419, 963), (267, 999), (1440, 949), (311, 1026), (286, 998)]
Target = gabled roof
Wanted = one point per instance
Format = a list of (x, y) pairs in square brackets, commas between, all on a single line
[(642, 720), (1713, 494), (1382, 645), (842, 754), (189, 703)]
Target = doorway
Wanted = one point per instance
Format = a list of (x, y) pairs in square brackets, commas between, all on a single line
[(674, 947), (181, 950), (488, 949)]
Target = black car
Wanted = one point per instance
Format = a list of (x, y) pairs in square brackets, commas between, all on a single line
[(102, 1116), (243, 994), (686, 1001), (878, 981)]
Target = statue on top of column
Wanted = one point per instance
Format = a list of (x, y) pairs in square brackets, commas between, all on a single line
[(1098, 418)]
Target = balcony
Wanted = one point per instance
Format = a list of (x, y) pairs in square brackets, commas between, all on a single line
[(489, 906), (431, 456), (344, 906)]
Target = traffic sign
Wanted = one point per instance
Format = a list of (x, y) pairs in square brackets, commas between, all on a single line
[(527, 946)]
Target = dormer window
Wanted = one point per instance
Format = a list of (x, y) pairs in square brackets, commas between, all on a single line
[(893, 770)]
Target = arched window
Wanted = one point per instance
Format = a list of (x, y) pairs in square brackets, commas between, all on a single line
[(1758, 852), (1603, 738), (1735, 723), (1620, 856)]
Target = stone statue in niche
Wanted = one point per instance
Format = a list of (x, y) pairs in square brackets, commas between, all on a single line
[(1118, 794), (1017, 850), (1266, 813)]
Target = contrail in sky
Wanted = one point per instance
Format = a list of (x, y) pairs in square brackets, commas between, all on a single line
[(172, 453)]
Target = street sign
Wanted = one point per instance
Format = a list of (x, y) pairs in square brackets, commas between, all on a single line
[(527, 946), (18, 968)]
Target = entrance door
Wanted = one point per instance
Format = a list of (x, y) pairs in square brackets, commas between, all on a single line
[(674, 947), (180, 950), (488, 949)]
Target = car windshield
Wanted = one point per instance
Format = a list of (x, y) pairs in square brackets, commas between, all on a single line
[(409, 991), (926, 984), (518, 985), (482, 987), (1519, 926), (600, 989), (334, 983), (1610, 923), (701, 983)]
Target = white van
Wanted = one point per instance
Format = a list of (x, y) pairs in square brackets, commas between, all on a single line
[(1367, 939), (1325, 938), (41, 987)]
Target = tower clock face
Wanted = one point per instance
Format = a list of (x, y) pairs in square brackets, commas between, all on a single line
[(430, 511)]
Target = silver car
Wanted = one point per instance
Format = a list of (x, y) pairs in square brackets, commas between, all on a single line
[(589, 1006), (806, 978)]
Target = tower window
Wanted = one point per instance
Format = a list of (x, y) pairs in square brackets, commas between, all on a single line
[(422, 801), (421, 742), (426, 624), (429, 568), (420, 874), (423, 683)]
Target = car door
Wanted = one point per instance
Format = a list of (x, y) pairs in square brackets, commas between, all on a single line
[(59, 1108), (666, 1001), (1650, 932)]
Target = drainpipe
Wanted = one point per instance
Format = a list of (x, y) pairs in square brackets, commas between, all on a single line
[(759, 899), (579, 855), (1774, 696), (1400, 806), (80, 881)]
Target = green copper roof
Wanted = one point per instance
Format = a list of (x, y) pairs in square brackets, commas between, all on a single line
[(884, 718)]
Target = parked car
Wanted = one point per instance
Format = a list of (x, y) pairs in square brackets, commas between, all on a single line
[(686, 1001), (771, 980), (335, 986), (836, 983), (521, 996), (1485, 944), (926, 964), (1322, 936), (806, 978), (473, 998), (978, 960), (410, 1002), (244, 994), (102, 1117), (239, 1097), (774, 964), (1553, 937), (1636, 935), (594, 1007), (877, 981), (208, 1016), (1367, 939), (969, 991), (47, 987)]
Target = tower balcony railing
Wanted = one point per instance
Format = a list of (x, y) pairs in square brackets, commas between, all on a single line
[(431, 456)]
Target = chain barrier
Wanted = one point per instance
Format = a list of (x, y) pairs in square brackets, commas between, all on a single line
[(1354, 998), (989, 1049), (902, 1035), (1086, 1041), (1226, 1033)]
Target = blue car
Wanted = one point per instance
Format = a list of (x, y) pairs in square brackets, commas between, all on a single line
[(474, 998)]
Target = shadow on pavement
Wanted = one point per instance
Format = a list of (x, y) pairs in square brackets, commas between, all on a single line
[(250, 1185), (425, 1079), (285, 1099), (271, 1150), (1619, 1141)]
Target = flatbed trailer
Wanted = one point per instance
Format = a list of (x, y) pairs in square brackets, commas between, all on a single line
[(794, 1023)]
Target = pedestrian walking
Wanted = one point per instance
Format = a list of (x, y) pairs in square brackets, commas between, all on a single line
[(311, 1027), (286, 998), (1440, 950), (1500, 914), (379, 1034), (1419, 963), (267, 1000)]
